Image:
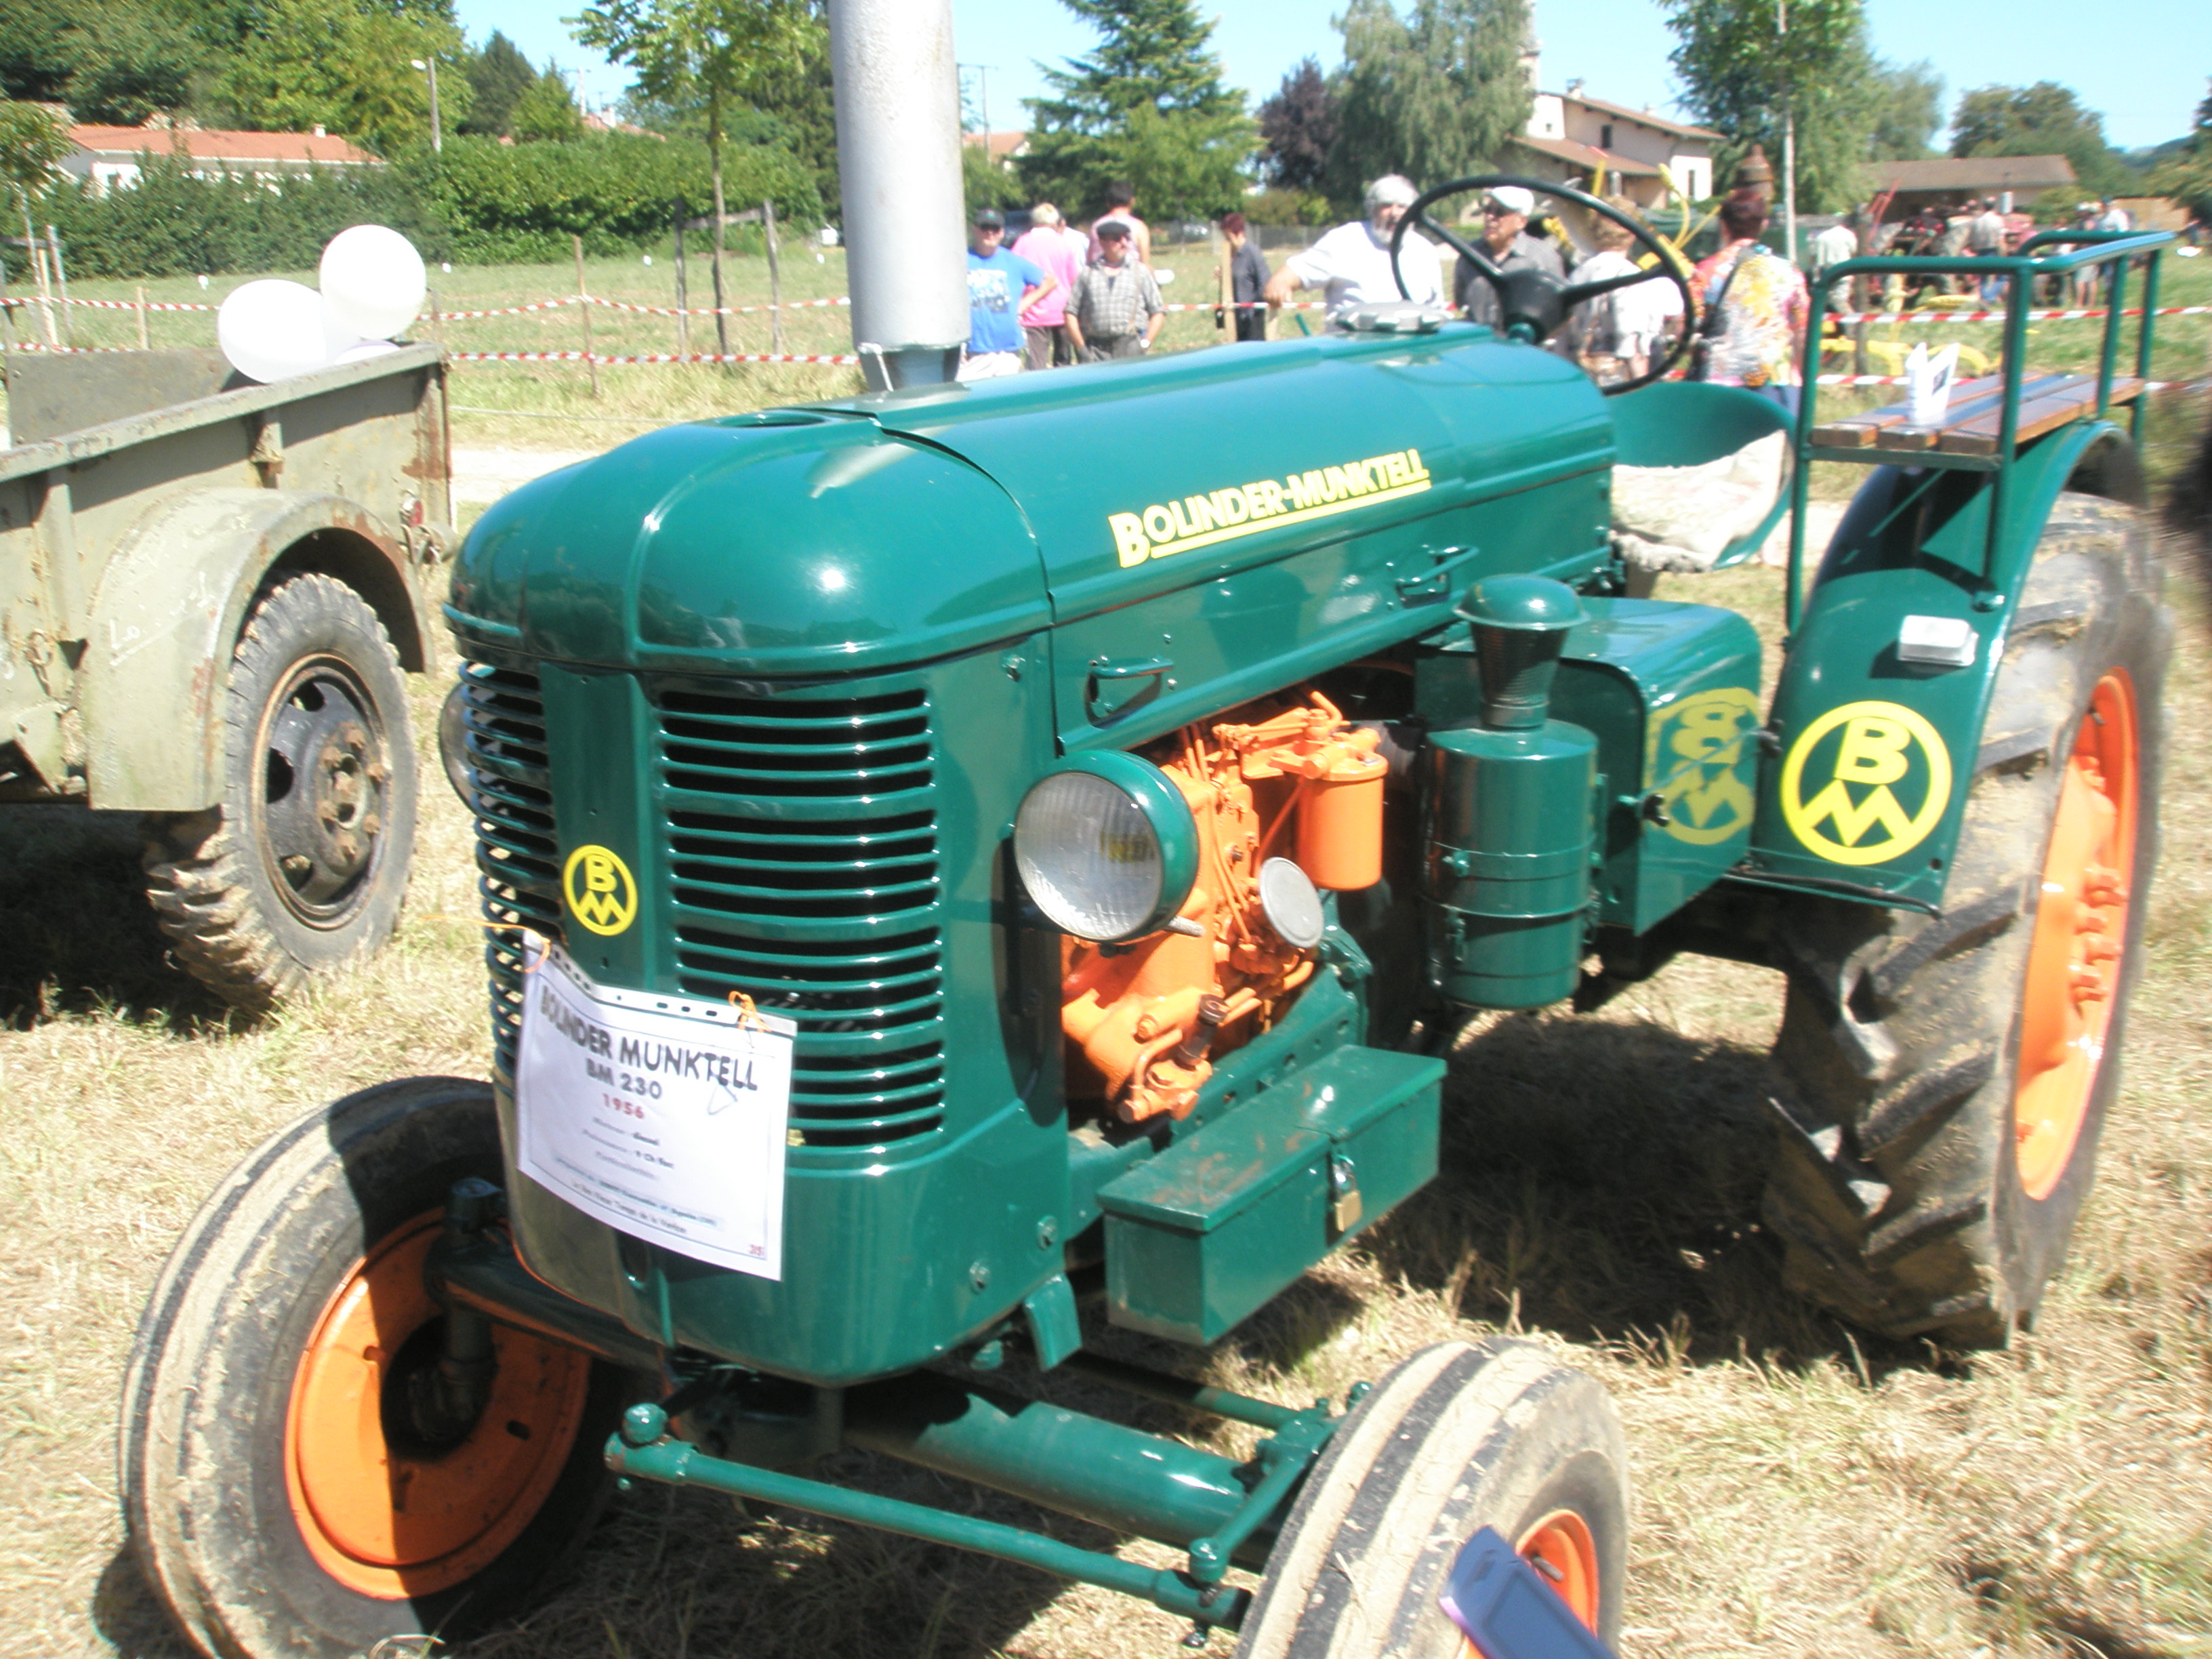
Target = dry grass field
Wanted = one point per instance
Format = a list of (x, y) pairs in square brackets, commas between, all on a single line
[(1800, 1490)]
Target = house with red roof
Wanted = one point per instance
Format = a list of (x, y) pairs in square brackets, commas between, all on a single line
[(1579, 140), (109, 158)]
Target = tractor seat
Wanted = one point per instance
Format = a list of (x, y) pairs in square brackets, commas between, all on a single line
[(1699, 476)]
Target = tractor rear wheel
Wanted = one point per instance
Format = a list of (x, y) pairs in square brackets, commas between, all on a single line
[(1455, 1438), (1950, 1075), (290, 1485)]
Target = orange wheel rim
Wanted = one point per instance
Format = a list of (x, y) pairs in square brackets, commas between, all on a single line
[(394, 1521), (2080, 938), (1560, 1547)]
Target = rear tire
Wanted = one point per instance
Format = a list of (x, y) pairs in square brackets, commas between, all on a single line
[(303, 866), (1454, 1439), (255, 1488), (1923, 1183)]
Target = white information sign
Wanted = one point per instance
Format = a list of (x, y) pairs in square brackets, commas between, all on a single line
[(662, 1116)]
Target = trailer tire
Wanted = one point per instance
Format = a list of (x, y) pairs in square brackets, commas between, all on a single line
[(256, 1469), (1926, 1177), (1455, 1438), (304, 864)]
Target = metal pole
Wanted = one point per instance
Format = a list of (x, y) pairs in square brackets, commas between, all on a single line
[(437, 130), (1789, 144), (899, 151), (144, 343)]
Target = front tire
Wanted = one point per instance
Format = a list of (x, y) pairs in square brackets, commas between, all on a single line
[(303, 866), (1950, 1075), (279, 1496), (1455, 1439)]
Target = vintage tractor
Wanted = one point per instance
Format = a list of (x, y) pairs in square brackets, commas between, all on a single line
[(963, 861)]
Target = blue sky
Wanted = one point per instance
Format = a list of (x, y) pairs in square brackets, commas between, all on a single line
[(2142, 62)]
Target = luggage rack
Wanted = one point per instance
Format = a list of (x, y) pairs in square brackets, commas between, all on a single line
[(1989, 420)]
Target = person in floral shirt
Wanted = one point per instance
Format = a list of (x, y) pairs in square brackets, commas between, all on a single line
[(1763, 307)]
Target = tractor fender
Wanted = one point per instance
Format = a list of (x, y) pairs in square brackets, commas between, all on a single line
[(1866, 780), (169, 609)]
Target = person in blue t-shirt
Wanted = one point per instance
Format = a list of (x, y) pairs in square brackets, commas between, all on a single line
[(1000, 287)]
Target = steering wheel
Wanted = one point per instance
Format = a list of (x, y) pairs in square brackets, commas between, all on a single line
[(1533, 303)]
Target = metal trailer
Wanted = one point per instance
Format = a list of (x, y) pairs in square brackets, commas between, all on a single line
[(209, 592)]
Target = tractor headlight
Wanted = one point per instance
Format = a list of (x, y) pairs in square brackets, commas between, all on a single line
[(1106, 846)]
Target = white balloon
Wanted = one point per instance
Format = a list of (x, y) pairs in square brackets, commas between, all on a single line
[(366, 349), (374, 279), (271, 329)]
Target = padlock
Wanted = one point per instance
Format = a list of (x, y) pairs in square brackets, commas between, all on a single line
[(1344, 1208)]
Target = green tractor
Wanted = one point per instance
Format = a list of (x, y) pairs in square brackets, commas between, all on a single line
[(963, 861)]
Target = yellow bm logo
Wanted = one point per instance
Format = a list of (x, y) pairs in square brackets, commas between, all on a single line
[(599, 890), (1879, 748), (1694, 757)]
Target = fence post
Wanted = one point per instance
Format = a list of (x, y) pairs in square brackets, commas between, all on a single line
[(1225, 319), (61, 280), (775, 280), (584, 305), (683, 290), (37, 253), (144, 343), (7, 311)]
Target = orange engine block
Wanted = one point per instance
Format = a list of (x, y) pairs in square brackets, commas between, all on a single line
[(1141, 1020)]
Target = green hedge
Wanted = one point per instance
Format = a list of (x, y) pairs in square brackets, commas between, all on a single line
[(513, 202), (175, 225), (481, 201)]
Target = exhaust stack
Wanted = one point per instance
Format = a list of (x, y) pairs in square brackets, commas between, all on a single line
[(899, 151)]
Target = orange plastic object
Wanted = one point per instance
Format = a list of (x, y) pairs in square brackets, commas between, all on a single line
[(1561, 1548), (2080, 934), (1142, 1021), (1339, 800), (392, 1521)]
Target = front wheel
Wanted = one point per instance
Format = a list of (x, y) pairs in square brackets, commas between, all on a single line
[(1455, 1439), (303, 865), (291, 1483), (1951, 1075)]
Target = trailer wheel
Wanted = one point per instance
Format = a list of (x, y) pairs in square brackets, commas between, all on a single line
[(1950, 1075), (304, 864), (282, 1488), (1455, 1438)]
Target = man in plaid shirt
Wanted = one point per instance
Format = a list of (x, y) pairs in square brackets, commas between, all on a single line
[(1117, 310)]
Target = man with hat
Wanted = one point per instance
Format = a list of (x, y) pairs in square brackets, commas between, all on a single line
[(1505, 239), (1001, 285), (1352, 264), (1117, 310)]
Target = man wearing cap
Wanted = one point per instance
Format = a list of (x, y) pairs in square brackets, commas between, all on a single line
[(1352, 264), (1000, 285), (1505, 239), (1117, 310)]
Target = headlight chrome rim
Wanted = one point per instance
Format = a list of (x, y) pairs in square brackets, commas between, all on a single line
[(1161, 809)]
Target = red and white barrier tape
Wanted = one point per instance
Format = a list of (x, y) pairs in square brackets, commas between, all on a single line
[(1898, 380), (649, 357), (1999, 316)]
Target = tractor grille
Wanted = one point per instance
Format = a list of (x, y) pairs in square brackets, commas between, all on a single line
[(802, 846), (517, 855)]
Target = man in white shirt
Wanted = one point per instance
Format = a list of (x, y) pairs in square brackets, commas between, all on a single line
[(1352, 264)]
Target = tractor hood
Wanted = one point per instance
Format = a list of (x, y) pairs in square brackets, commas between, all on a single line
[(899, 526), (784, 543)]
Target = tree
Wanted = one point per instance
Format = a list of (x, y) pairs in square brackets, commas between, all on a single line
[(723, 51), (1908, 109), (1297, 127), (1741, 70), (1434, 94), (547, 111), (109, 60), (499, 76), (1147, 106), (2044, 119), (346, 65), (2186, 175)]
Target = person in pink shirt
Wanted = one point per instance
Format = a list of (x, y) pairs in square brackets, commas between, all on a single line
[(1047, 245)]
